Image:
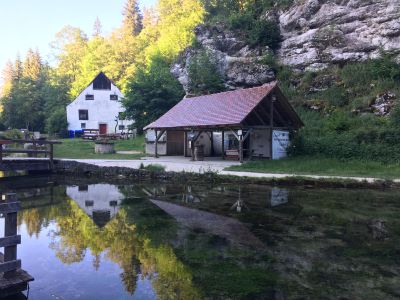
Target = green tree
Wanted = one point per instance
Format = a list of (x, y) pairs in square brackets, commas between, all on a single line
[(204, 77), (151, 92), (132, 21), (68, 49)]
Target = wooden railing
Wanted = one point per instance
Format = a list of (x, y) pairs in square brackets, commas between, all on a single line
[(39, 147), (8, 208)]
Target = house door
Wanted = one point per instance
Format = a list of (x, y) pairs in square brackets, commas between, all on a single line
[(103, 128)]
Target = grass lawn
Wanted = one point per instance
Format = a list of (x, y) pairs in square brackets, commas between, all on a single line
[(321, 166), (79, 148)]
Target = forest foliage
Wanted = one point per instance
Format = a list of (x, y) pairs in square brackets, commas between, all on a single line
[(34, 94), (335, 104)]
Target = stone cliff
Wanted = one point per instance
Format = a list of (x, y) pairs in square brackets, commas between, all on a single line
[(315, 35)]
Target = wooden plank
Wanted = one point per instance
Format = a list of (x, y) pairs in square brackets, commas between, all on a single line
[(30, 151), (10, 240), (10, 265), (9, 207), (39, 142)]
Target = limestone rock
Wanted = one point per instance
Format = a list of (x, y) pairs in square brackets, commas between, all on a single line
[(317, 33), (239, 65)]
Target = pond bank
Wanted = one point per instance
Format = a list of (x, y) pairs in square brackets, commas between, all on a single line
[(122, 170)]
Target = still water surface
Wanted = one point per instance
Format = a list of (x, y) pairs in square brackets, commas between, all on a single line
[(179, 241)]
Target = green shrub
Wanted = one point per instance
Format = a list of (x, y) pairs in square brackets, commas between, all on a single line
[(258, 32), (153, 167), (57, 123), (13, 134), (204, 77)]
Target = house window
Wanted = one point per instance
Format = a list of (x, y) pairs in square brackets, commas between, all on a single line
[(83, 125), (121, 127), (113, 97), (89, 97), (83, 114)]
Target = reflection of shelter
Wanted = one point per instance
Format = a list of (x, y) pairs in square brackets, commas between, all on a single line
[(99, 201), (229, 228), (235, 124), (279, 196)]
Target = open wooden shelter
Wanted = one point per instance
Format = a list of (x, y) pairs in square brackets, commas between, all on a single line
[(242, 120)]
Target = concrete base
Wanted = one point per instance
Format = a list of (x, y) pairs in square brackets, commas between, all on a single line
[(104, 148)]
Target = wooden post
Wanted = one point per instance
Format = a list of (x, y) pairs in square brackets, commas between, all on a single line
[(223, 144), (241, 149), (10, 230), (156, 145), (51, 156), (271, 121), (212, 143), (192, 149), (185, 144)]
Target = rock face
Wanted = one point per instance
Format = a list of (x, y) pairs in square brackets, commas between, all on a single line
[(239, 65), (317, 33)]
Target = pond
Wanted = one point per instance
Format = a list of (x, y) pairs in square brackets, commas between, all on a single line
[(153, 240)]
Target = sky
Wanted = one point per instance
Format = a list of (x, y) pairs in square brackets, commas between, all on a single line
[(33, 24)]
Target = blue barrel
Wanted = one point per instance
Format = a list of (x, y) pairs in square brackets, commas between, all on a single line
[(71, 134)]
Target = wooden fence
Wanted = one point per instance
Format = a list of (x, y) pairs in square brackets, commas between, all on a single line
[(38, 147)]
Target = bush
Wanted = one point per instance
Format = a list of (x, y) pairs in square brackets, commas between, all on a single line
[(153, 167), (13, 134), (204, 77), (57, 122), (259, 32)]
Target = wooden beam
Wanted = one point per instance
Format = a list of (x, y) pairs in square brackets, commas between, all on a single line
[(272, 99), (194, 141), (241, 149), (212, 143), (9, 266), (247, 134), (158, 136), (259, 117), (185, 143), (235, 134), (10, 240), (9, 207), (223, 144)]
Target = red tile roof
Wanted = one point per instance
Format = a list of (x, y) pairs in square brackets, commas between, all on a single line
[(227, 108)]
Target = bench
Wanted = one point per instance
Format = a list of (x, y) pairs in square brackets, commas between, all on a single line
[(90, 134)]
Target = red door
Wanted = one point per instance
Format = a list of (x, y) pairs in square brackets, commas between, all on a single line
[(103, 128)]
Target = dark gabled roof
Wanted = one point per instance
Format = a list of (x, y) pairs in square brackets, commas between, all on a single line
[(221, 109), (101, 73)]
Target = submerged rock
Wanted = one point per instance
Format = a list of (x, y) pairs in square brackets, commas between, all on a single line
[(378, 229)]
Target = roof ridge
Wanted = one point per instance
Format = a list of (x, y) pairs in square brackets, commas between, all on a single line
[(232, 91)]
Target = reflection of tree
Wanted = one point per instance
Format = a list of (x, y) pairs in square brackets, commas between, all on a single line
[(122, 244)]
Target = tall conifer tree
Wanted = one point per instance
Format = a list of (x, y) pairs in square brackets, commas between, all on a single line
[(132, 21)]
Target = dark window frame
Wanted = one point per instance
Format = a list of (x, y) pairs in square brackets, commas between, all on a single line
[(121, 127), (114, 96), (84, 126), (89, 97), (83, 114)]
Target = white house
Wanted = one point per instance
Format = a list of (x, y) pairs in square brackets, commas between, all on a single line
[(98, 106)]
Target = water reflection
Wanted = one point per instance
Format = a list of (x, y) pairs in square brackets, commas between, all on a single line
[(185, 241)]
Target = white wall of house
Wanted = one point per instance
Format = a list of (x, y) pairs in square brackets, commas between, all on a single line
[(150, 136), (101, 110), (96, 197)]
